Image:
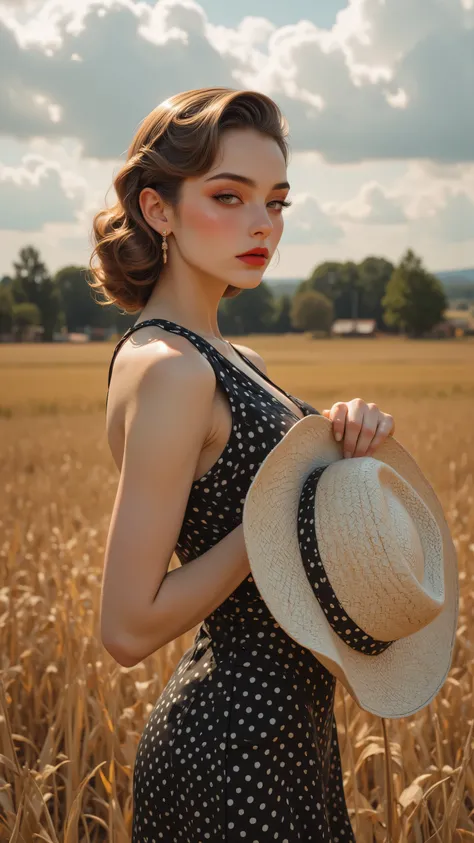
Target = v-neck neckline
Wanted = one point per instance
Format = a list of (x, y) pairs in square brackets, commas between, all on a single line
[(292, 398), (263, 375)]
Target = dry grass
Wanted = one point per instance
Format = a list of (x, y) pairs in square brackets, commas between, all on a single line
[(70, 717)]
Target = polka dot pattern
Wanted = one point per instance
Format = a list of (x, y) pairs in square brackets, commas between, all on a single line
[(242, 742), (336, 615)]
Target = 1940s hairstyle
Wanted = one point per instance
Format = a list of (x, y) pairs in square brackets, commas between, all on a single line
[(179, 139)]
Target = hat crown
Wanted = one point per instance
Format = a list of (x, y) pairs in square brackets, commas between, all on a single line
[(380, 547), (392, 678), (405, 533)]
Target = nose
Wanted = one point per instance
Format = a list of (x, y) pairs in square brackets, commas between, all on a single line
[(261, 224)]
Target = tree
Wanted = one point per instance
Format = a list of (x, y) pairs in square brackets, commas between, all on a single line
[(30, 272), (282, 315), (327, 279), (312, 312), (50, 305), (24, 315), (80, 307), (33, 284), (6, 309), (415, 300), (251, 312), (374, 275), (339, 282)]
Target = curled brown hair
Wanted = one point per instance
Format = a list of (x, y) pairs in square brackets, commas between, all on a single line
[(177, 140)]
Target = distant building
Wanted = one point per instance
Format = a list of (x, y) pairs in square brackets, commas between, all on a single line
[(442, 330), (455, 324), (98, 333), (77, 337), (354, 328), (30, 333)]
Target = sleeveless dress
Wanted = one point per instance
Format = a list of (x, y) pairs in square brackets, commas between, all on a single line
[(241, 743)]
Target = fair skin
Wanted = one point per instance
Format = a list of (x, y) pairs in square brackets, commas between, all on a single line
[(167, 420), (203, 242)]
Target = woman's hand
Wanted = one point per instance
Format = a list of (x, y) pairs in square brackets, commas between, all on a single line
[(363, 426)]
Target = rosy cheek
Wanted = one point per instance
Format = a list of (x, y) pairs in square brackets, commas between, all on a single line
[(208, 219)]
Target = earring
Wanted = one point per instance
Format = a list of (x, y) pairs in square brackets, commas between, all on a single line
[(164, 247)]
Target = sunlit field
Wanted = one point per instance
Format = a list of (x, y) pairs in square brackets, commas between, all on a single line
[(71, 717)]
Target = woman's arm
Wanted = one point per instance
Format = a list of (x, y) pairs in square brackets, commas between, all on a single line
[(143, 605)]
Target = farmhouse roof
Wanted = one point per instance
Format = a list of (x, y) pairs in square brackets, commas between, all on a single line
[(354, 326)]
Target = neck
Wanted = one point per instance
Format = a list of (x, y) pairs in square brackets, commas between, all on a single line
[(180, 319), (189, 298)]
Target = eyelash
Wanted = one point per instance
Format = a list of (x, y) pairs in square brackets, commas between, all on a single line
[(284, 203)]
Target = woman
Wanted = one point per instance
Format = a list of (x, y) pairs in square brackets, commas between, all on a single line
[(242, 741)]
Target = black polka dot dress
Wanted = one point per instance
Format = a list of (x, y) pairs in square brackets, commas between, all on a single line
[(241, 744)]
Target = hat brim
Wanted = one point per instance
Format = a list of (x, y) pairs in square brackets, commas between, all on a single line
[(405, 677)]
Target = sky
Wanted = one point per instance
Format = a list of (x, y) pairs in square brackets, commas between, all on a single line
[(377, 94)]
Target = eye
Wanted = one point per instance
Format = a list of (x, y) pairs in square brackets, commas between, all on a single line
[(281, 202), (225, 196)]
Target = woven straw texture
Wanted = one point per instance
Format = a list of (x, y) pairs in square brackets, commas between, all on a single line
[(405, 677)]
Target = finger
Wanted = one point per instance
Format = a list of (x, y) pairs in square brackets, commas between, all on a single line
[(338, 414), (368, 430), (354, 420), (385, 429)]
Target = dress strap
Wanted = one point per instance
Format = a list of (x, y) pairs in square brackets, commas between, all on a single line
[(167, 325), (217, 360)]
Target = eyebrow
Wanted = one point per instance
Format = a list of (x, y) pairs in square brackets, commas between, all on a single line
[(245, 180)]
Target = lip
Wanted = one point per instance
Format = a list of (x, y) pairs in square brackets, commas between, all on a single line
[(253, 260), (258, 251)]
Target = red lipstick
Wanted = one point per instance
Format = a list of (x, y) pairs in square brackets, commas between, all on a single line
[(255, 257)]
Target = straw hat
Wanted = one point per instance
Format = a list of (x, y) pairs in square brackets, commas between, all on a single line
[(355, 561)]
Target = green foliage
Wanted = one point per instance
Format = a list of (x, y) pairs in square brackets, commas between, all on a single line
[(30, 273), (312, 311), (354, 289), (32, 284), (406, 298), (80, 307), (414, 301), (251, 312), (24, 314), (327, 278), (282, 315), (6, 309), (374, 275)]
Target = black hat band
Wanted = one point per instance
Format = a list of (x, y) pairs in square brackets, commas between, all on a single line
[(336, 615)]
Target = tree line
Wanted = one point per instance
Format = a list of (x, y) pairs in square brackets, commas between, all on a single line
[(402, 298)]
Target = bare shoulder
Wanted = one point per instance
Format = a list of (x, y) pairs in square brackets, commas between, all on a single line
[(253, 356), (145, 358), (145, 349)]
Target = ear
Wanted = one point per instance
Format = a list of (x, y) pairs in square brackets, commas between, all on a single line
[(155, 212)]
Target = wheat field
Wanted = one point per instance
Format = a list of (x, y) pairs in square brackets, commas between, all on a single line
[(71, 717)]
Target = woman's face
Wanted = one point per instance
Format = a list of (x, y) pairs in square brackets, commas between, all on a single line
[(221, 217)]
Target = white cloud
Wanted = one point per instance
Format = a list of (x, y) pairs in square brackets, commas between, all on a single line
[(36, 193), (416, 104), (378, 32), (121, 76), (390, 80), (453, 222), (426, 186), (432, 200), (306, 222), (170, 21), (390, 83), (372, 205)]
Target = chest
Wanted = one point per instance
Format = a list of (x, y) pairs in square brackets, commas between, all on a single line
[(254, 408)]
